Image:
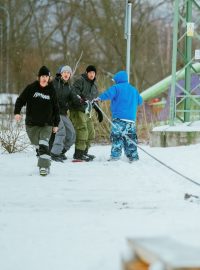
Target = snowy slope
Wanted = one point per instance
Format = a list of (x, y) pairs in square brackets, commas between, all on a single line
[(80, 216)]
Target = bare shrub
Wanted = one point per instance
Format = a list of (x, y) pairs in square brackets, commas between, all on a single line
[(12, 136), (103, 129)]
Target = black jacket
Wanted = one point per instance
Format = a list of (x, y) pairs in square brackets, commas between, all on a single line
[(86, 89), (41, 105), (64, 94)]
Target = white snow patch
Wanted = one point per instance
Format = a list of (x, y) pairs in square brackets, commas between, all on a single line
[(80, 216)]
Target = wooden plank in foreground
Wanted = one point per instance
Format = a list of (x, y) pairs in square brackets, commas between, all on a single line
[(170, 253)]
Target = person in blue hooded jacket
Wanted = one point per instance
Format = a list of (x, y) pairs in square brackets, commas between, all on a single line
[(125, 100)]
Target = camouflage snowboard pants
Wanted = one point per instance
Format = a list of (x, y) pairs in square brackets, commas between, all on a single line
[(123, 134)]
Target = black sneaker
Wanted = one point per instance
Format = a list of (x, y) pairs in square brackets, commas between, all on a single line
[(57, 158)]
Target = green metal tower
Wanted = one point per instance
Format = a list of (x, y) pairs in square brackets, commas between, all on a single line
[(186, 52)]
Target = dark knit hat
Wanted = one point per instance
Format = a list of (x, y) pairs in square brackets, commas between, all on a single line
[(91, 68), (43, 71)]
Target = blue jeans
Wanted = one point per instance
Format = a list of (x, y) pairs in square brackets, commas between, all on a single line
[(123, 135)]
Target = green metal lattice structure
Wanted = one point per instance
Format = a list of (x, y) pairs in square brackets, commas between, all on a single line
[(186, 53)]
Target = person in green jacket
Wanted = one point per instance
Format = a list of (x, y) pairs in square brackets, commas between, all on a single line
[(86, 89)]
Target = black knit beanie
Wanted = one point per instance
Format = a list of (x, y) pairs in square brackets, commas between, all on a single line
[(43, 71), (91, 68)]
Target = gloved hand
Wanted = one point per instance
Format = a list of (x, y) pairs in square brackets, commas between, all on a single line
[(99, 113), (96, 100), (82, 100), (88, 108)]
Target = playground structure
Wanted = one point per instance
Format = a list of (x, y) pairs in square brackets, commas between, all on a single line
[(187, 103), (157, 89)]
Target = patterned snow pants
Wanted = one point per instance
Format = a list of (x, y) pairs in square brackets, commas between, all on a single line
[(123, 134)]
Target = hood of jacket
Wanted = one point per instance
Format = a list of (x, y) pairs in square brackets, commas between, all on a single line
[(121, 77)]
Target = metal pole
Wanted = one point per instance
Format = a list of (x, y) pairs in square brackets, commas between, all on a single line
[(128, 50), (1, 38), (126, 19), (7, 46), (188, 54), (174, 57)]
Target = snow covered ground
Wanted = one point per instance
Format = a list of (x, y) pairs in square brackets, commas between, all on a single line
[(80, 216)]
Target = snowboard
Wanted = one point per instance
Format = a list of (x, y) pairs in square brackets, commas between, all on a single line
[(78, 160)]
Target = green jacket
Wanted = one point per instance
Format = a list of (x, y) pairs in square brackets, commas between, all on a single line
[(86, 90)]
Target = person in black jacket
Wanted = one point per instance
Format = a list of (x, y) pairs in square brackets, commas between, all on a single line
[(86, 89), (42, 115), (66, 136)]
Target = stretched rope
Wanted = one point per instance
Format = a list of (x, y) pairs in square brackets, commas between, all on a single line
[(146, 152)]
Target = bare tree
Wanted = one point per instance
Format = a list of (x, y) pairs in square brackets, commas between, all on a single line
[(56, 32)]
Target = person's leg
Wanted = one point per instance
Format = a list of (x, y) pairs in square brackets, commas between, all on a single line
[(44, 160), (70, 134), (58, 143), (51, 141), (79, 120), (33, 134), (91, 137), (39, 136), (130, 142), (116, 139), (91, 132)]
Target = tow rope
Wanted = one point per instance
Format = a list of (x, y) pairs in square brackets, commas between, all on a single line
[(146, 152)]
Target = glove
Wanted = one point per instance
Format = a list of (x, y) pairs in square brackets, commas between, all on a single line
[(99, 113), (96, 100), (82, 100), (88, 108)]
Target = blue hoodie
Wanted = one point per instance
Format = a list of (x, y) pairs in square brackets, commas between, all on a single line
[(124, 97)]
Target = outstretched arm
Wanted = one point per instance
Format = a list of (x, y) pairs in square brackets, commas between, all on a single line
[(20, 102)]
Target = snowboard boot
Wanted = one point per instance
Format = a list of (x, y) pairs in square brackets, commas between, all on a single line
[(113, 158), (88, 155), (79, 155), (131, 160), (57, 158), (63, 154)]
